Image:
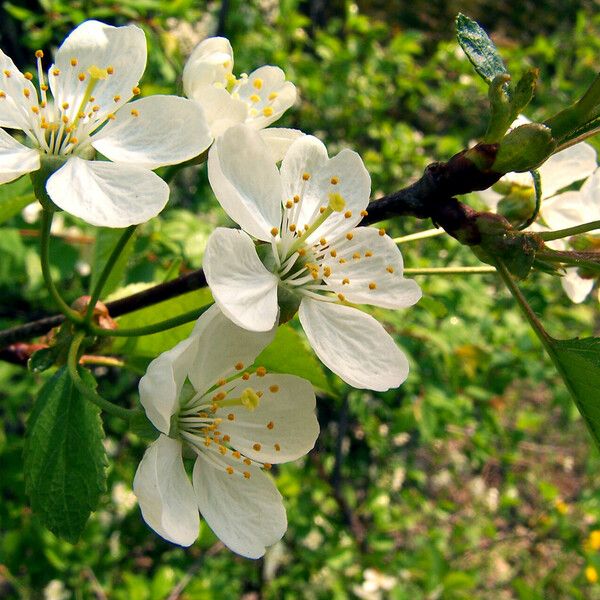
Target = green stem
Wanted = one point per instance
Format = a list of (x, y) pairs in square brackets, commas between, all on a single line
[(71, 314), (420, 235), (90, 394), (548, 236), (192, 315), (449, 271), (106, 271), (573, 259), (525, 308)]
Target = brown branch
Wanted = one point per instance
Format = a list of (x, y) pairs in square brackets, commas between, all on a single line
[(431, 197)]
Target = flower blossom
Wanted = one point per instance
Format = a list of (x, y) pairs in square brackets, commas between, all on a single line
[(83, 107), (309, 257), (207, 404), (257, 100)]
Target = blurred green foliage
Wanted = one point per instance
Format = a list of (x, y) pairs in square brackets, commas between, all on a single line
[(477, 478)]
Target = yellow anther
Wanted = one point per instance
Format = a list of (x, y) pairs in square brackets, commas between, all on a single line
[(296, 199), (372, 285), (336, 202), (246, 475), (250, 399), (363, 213), (247, 462), (274, 389), (220, 396), (239, 366), (44, 88), (226, 438), (277, 447), (136, 91), (214, 407), (258, 83), (223, 450), (349, 236), (305, 227), (117, 98), (270, 425), (345, 281), (74, 140), (267, 466), (34, 109), (74, 62), (91, 99), (342, 261), (274, 231), (111, 116), (207, 442), (3, 95), (323, 241), (257, 447), (347, 214), (96, 108), (65, 119), (356, 255), (261, 371), (382, 232), (259, 394), (231, 417), (28, 76), (333, 253), (236, 454), (56, 72), (289, 204), (341, 297), (267, 111), (81, 76), (39, 54), (246, 376), (305, 176), (334, 180), (135, 112), (302, 251), (229, 470), (368, 254), (7, 72), (110, 70), (221, 382), (26, 93), (327, 271), (272, 95), (292, 227), (65, 105), (255, 98)]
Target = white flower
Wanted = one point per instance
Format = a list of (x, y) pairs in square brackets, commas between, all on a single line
[(95, 74), (235, 423), (311, 255), (257, 100)]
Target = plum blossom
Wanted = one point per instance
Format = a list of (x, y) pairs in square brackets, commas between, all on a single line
[(257, 100), (82, 107), (309, 256), (208, 404)]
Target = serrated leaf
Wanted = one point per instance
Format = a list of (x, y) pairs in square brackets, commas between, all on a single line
[(106, 240), (479, 48), (289, 353), (64, 456), (14, 197), (579, 363)]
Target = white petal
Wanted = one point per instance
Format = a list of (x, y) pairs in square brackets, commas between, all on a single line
[(246, 181), (268, 94), (353, 345), (354, 185), (590, 192), (220, 109), (165, 493), (100, 45), (565, 210), (167, 130), (16, 159), (243, 288), (279, 140), (222, 345), (246, 514), (567, 167), (210, 62), (285, 419), (369, 258), (305, 155), (576, 287), (107, 194), (15, 107), (161, 385)]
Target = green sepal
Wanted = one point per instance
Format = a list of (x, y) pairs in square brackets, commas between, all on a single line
[(500, 107), (523, 92), (524, 148), (49, 164), (289, 303), (140, 425)]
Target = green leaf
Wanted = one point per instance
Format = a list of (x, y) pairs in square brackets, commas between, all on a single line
[(524, 148), (106, 240), (289, 353), (64, 456), (151, 346), (578, 361), (524, 91), (479, 49), (14, 197)]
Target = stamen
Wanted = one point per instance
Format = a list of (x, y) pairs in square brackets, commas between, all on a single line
[(267, 111), (372, 285), (382, 232), (74, 62), (258, 83), (28, 76)]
